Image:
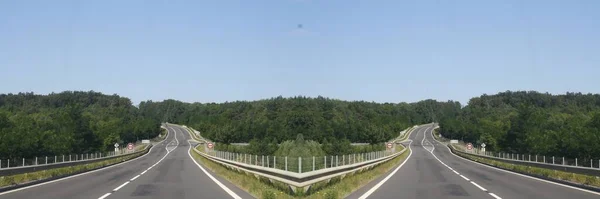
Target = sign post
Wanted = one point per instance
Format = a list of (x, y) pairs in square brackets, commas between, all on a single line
[(483, 148), (116, 148)]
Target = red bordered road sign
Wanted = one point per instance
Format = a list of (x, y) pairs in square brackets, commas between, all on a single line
[(210, 145), (130, 146), (469, 146), (389, 145)]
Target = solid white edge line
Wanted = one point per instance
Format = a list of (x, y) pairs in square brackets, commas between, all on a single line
[(431, 132), (231, 193), (467, 179), (483, 189), (81, 174), (132, 179), (104, 196), (374, 188), (522, 175), (495, 196), (119, 187)]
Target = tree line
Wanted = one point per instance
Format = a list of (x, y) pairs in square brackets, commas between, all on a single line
[(84, 122), (265, 123), (68, 123), (518, 122), (531, 122)]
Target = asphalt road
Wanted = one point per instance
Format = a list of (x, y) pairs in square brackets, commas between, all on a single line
[(168, 172), (432, 171)]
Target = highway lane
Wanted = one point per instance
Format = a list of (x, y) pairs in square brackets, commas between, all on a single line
[(433, 171), (421, 176), (505, 184), (92, 184), (178, 176), (175, 175)]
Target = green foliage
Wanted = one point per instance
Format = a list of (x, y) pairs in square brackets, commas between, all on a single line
[(318, 119), (531, 122), (299, 148), (69, 122), (268, 194), (81, 122)]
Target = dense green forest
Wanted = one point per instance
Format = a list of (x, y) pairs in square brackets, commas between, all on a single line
[(531, 122), (68, 122), (82, 122), (519, 122), (334, 123)]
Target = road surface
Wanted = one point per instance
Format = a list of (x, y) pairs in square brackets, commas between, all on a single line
[(432, 171), (172, 174)]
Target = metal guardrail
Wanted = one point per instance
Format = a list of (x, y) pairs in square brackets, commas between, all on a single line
[(300, 180), (305, 172), (62, 161), (534, 161)]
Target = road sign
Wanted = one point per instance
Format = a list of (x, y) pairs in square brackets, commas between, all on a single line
[(130, 146), (482, 145), (116, 145), (469, 146), (210, 145), (389, 145)]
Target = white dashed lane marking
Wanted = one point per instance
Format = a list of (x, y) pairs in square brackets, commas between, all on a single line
[(119, 187), (467, 179), (104, 196)]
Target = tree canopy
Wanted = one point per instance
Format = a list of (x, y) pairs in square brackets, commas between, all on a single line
[(531, 122), (68, 122), (282, 119)]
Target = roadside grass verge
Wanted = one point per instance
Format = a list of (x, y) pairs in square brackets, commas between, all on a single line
[(248, 183), (538, 172), (336, 188), (60, 172), (344, 187), (139, 147), (161, 136)]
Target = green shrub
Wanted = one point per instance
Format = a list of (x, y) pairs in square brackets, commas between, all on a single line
[(267, 194), (332, 194)]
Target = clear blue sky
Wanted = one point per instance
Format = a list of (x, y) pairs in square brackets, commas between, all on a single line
[(383, 51)]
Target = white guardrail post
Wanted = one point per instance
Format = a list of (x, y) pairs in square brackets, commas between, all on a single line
[(313, 163), (285, 163), (299, 164)]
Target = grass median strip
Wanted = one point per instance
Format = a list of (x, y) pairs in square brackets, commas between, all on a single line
[(60, 172), (536, 171), (336, 188)]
